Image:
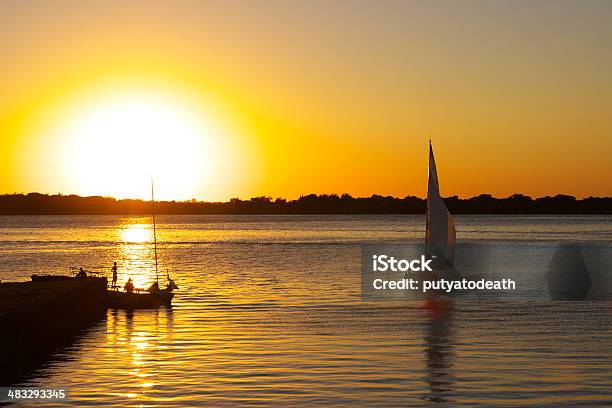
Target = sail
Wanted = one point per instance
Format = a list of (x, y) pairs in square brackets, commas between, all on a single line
[(440, 227)]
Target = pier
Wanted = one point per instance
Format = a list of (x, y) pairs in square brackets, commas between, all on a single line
[(39, 318)]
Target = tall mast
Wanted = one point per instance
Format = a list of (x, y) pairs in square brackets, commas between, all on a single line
[(154, 229)]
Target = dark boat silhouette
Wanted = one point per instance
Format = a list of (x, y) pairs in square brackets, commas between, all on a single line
[(150, 298), (139, 300)]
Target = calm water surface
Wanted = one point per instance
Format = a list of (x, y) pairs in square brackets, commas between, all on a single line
[(269, 313)]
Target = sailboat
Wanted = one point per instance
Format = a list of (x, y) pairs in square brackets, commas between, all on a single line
[(154, 296), (440, 226)]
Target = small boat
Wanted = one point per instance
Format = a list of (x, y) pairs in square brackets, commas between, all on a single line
[(151, 298), (138, 300)]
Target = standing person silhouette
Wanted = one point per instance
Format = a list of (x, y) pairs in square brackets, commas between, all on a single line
[(114, 269)]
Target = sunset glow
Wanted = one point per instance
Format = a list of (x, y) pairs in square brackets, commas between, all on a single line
[(305, 203), (112, 142), (116, 142), (245, 101)]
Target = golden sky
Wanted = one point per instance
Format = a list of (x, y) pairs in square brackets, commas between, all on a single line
[(237, 99)]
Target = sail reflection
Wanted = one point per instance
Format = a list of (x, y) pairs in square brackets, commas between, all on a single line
[(439, 353)]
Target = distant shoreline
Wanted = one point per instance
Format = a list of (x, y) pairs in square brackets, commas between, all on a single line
[(44, 204)]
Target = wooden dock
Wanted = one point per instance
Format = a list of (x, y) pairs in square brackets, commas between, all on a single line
[(39, 318)]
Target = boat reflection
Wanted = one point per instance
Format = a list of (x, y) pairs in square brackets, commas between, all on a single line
[(439, 352)]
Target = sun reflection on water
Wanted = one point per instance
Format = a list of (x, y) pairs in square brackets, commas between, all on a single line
[(137, 257), (137, 338), (137, 233)]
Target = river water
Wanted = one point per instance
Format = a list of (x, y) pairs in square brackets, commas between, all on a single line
[(269, 312)]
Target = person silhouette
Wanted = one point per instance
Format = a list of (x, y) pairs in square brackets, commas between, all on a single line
[(114, 269), (129, 286), (82, 274), (171, 284)]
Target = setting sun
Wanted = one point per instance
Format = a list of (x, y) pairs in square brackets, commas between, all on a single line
[(111, 139), (116, 142)]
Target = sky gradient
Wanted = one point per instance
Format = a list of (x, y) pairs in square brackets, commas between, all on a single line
[(312, 97)]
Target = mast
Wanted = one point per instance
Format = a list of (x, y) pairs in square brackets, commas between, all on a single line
[(154, 230), (428, 203)]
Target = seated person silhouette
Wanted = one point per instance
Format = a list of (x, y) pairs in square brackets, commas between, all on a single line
[(82, 274), (129, 286)]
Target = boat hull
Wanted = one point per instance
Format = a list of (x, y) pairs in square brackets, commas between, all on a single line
[(50, 278), (123, 300)]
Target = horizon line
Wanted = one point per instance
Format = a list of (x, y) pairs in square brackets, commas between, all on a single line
[(318, 195)]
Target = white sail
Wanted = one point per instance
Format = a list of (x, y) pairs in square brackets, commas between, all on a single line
[(440, 227)]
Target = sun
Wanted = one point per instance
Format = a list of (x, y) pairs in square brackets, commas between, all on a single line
[(111, 143), (118, 142)]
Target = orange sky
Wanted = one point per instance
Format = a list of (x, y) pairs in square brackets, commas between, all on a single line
[(237, 99)]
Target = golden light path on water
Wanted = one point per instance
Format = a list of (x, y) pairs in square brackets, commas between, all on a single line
[(137, 256)]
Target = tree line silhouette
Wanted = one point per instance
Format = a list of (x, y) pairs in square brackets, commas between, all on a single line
[(44, 204)]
